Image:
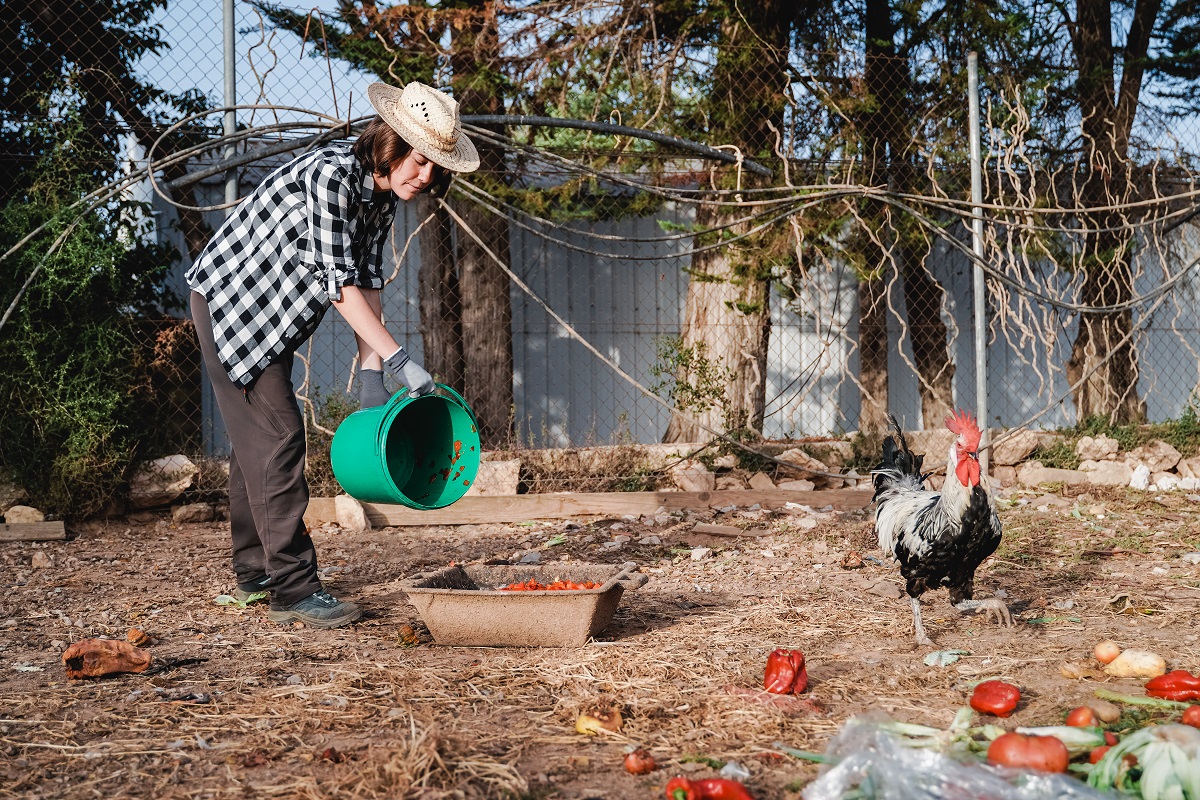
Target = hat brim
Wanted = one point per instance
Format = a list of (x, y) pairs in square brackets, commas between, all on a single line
[(461, 157)]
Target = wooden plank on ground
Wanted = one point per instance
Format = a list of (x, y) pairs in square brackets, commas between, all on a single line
[(521, 507), (32, 532)]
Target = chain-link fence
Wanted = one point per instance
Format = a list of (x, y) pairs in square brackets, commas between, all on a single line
[(727, 228)]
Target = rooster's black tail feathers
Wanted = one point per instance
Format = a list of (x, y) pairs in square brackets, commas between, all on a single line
[(898, 461)]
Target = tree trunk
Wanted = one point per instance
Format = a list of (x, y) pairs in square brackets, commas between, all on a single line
[(727, 315), (889, 157), (440, 301), (486, 325), (923, 299), (1103, 359), (727, 321), (872, 354), (484, 284)]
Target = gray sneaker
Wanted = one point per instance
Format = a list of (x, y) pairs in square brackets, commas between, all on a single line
[(253, 591), (318, 610)]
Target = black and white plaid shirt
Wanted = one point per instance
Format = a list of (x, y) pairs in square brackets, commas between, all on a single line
[(273, 267)]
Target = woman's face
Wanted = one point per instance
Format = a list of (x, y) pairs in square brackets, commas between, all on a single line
[(410, 177)]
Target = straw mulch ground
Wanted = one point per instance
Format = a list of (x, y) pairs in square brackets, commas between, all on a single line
[(236, 707)]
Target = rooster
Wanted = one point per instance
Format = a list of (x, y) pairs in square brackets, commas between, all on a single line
[(939, 538)]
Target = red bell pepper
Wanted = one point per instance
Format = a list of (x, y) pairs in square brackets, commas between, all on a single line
[(680, 788), (995, 697), (1178, 684), (786, 672)]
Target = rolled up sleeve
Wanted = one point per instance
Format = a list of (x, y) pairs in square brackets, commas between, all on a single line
[(329, 199)]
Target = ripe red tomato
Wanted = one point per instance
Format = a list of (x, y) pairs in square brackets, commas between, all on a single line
[(1110, 738), (1082, 717), (1191, 716), (640, 762), (995, 697), (1098, 753), (1043, 753)]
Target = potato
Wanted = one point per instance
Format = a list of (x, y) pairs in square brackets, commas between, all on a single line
[(1136, 664)]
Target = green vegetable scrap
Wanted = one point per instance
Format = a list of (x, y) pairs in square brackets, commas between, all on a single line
[(1167, 765)]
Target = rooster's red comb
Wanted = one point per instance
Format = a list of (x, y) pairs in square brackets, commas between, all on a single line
[(963, 423)]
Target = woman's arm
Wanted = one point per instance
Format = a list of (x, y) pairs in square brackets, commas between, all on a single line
[(362, 309)]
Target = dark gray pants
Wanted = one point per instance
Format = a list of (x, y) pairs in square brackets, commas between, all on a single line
[(267, 489)]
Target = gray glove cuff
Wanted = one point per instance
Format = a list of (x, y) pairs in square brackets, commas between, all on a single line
[(371, 391), (396, 361)]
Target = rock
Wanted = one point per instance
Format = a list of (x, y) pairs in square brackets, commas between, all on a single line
[(1004, 476), (193, 512), (1032, 473), (10, 495), (1141, 478), (40, 560), (700, 553), (692, 476), (885, 589), (496, 478), (761, 481), (935, 445), (1097, 448), (18, 514), (1050, 501), (834, 453), (1106, 473), (161, 481), (1016, 447), (730, 482), (1165, 481), (1189, 467), (801, 464), (533, 557), (1190, 558), (1157, 455), (1189, 484), (351, 515), (798, 486)]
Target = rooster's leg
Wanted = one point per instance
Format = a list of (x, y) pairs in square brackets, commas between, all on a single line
[(995, 608), (922, 639)]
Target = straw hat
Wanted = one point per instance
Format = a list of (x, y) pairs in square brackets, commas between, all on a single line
[(428, 120)]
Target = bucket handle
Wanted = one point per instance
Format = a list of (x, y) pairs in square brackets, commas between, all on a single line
[(461, 402), (403, 395)]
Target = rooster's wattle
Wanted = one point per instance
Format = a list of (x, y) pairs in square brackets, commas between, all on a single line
[(939, 538)]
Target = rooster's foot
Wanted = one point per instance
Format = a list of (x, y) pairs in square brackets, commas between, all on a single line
[(994, 607), (922, 639)]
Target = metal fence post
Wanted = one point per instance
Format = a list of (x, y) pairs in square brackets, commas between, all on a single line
[(230, 37), (981, 407)]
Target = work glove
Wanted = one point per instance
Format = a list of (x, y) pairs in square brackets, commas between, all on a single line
[(371, 392), (409, 372)]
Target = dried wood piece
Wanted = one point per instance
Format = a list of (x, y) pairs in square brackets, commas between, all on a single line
[(95, 658)]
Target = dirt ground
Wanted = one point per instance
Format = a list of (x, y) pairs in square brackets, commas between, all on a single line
[(235, 706)]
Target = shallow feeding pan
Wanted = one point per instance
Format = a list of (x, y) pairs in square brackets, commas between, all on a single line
[(463, 604)]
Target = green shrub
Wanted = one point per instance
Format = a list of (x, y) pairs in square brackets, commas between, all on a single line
[(71, 358), (329, 410)]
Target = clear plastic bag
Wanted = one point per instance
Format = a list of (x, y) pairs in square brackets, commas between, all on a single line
[(870, 764)]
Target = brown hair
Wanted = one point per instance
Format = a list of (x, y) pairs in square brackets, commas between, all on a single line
[(379, 149)]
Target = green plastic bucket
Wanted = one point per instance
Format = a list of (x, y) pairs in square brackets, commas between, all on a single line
[(421, 452)]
